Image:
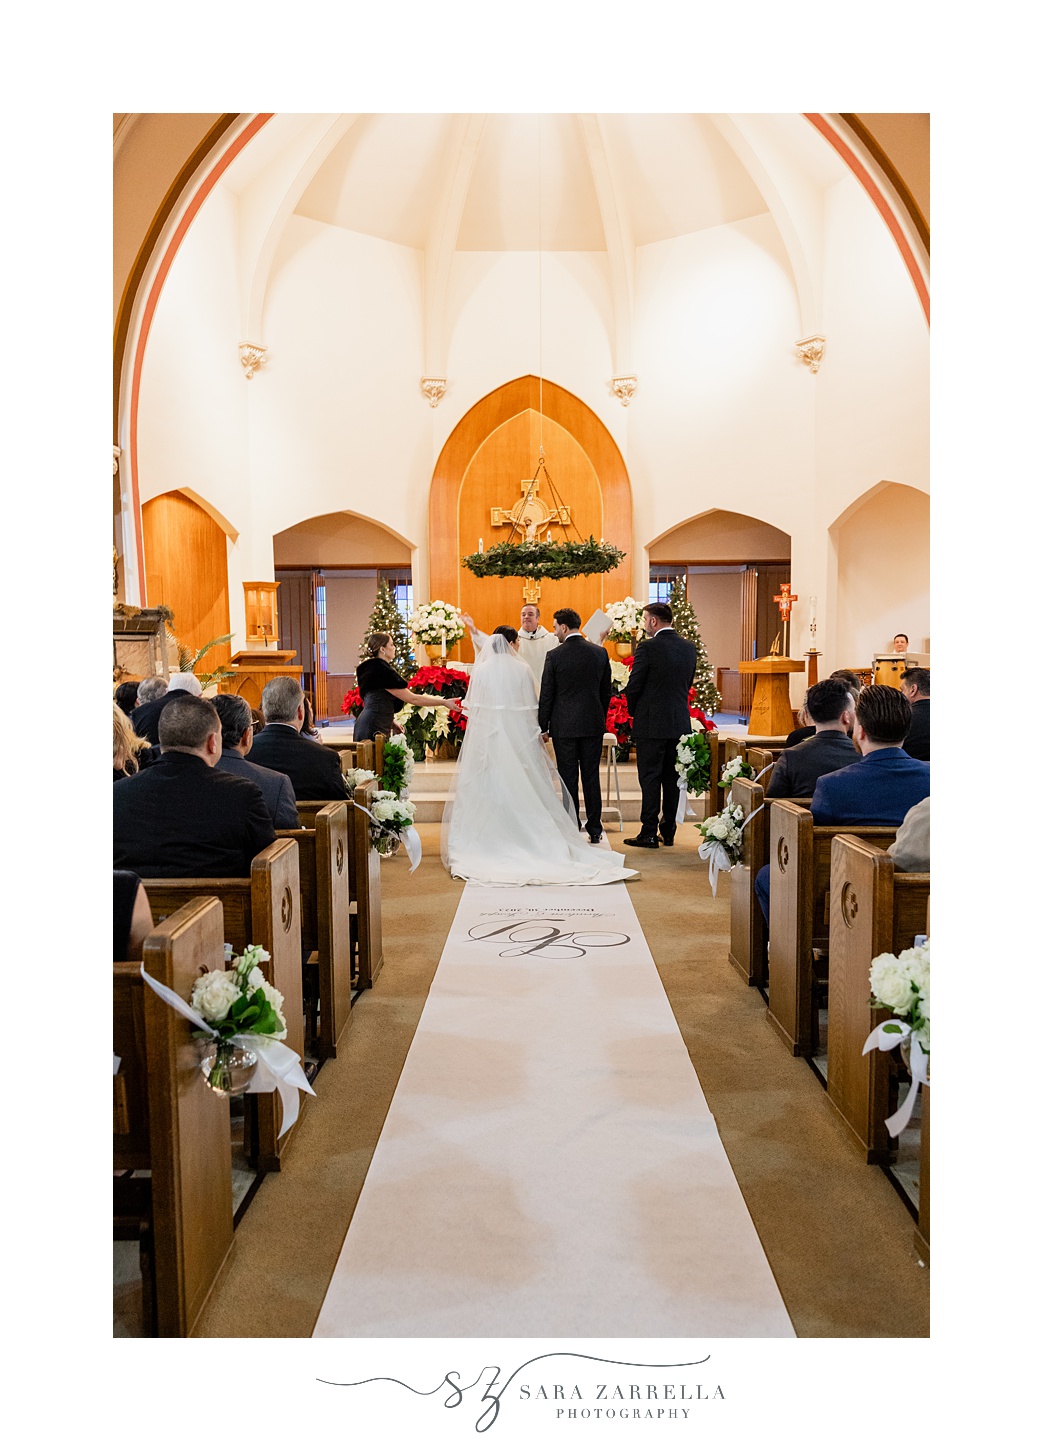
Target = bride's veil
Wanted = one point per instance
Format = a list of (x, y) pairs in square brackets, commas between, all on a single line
[(502, 759)]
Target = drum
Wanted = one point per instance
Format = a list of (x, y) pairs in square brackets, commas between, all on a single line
[(888, 670)]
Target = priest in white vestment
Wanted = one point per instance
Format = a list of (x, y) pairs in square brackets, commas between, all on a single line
[(534, 642)]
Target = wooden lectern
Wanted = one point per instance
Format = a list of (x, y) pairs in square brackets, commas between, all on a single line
[(771, 713), (254, 669)]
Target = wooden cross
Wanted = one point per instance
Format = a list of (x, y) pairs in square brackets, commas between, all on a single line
[(530, 516), (785, 601)]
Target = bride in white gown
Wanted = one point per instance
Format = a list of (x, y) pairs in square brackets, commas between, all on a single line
[(505, 824)]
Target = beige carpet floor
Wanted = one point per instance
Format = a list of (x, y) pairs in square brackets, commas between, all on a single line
[(837, 1236)]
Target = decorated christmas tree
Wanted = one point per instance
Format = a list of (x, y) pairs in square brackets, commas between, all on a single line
[(386, 619), (707, 696)]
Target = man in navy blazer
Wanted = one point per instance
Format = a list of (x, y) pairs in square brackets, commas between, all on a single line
[(880, 787)]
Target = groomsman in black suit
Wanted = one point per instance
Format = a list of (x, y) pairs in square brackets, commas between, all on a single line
[(574, 698), (657, 694)]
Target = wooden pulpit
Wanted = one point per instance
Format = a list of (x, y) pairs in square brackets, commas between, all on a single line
[(254, 669), (771, 713)]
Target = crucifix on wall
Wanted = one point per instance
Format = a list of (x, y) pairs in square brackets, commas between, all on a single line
[(785, 602), (531, 517)]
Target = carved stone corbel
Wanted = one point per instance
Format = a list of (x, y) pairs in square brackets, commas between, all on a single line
[(253, 356), (433, 390), (810, 351), (624, 389)]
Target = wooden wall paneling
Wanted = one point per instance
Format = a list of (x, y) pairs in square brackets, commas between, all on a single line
[(493, 478), (447, 543), (186, 568), (749, 637)]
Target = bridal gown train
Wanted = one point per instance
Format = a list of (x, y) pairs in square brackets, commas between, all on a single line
[(505, 823)]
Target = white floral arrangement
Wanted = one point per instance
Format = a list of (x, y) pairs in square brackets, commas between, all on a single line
[(693, 761), (626, 617), (240, 999), (436, 715), (722, 841), (391, 816), (902, 984), (735, 767), (620, 675), (431, 623), (356, 777)]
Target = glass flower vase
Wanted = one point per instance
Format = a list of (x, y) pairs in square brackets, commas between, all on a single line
[(227, 1068)]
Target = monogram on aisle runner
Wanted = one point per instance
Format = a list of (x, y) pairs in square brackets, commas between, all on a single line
[(549, 1164)]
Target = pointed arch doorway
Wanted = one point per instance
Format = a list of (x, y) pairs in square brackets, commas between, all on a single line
[(493, 448)]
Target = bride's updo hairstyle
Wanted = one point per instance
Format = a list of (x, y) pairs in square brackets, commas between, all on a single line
[(375, 644), (509, 633)]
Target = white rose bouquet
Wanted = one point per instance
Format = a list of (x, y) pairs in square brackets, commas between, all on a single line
[(902, 985), (355, 778), (431, 623), (234, 1001), (626, 619), (693, 762), (735, 767), (722, 841), (391, 817)]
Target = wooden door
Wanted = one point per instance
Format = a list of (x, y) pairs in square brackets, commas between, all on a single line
[(186, 568)]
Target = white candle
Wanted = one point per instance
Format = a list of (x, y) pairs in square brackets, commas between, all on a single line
[(443, 644), (481, 547)]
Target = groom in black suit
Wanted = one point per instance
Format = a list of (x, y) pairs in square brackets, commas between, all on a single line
[(574, 698), (657, 694)]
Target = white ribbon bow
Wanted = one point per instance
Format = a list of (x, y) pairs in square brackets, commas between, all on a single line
[(716, 853), (278, 1067), (894, 1034), (682, 800)]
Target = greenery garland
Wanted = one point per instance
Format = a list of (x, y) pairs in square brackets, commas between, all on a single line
[(525, 560)]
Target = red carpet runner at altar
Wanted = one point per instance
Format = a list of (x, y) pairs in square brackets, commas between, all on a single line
[(549, 1165)]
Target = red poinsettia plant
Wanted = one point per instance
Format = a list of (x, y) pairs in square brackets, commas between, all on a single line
[(620, 722), (697, 714), (352, 704), (431, 680)]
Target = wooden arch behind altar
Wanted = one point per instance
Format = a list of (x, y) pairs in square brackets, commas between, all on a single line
[(493, 448)]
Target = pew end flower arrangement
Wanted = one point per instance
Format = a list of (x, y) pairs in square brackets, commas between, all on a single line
[(693, 763), (398, 768), (391, 818), (239, 1014), (355, 777), (902, 986), (733, 768), (722, 841)]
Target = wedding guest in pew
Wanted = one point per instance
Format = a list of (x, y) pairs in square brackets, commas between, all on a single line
[(314, 770), (126, 696), (182, 818), (876, 790), (237, 735), (154, 697), (131, 917), (916, 687), (806, 729), (911, 848), (130, 752), (832, 712)]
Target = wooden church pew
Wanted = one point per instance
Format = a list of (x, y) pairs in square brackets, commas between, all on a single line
[(323, 856), (721, 752), (363, 883), (748, 951), (874, 909), (922, 1236), (167, 1121), (263, 908), (357, 756), (799, 857)]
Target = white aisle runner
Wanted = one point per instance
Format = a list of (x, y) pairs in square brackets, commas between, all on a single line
[(549, 1165)]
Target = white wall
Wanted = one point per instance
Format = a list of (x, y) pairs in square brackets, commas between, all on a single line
[(884, 583)]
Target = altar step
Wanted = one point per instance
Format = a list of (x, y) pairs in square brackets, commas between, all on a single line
[(432, 782)]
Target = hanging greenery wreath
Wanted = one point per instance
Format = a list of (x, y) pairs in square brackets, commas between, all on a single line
[(525, 560)]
